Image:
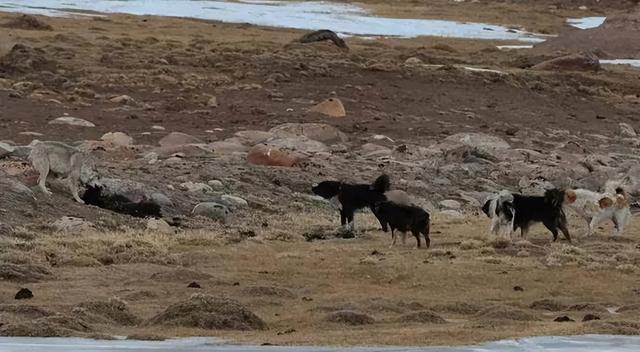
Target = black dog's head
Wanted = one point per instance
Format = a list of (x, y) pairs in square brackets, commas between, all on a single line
[(554, 197), (327, 189)]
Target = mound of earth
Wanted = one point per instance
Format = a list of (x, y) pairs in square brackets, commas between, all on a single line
[(617, 327), (458, 308), (25, 59), (548, 304), (616, 38), (23, 272), (425, 317), (58, 325), (269, 291), (349, 317), (113, 311), (208, 312), (28, 22), (506, 313), (24, 311)]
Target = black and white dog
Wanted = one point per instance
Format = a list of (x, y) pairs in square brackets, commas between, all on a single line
[(404, 218), (547, 209), (351, 197), (499, 208)]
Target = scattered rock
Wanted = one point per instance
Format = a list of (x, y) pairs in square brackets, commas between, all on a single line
[(349, 317), (590, 317), (518, 288), (24, 293), (252, 137), (72, 225), (215, 211), (117, 139), (123, 99), (626, 130), (208, 312), (216, 184), (451, 214), (563, 319), (234, 201), (300, 144), (177, 138), (195, 187), (450, 204), (573, 62), (212, 102), (194, 285), (316, 131), (72, 121), (332, 107), (159, 226), (424, 317), (269, 156), (228, 147), (6, 149), (413, 61)]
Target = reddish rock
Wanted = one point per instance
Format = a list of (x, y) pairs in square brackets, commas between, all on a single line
[(270, 156)]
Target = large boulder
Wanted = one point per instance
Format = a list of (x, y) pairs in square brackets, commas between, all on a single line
[(317, 131), (71, 121), (331, 107), (252, 137), (212, 210), (477, 145), (572, 62), (118, 139), (300, 144), (6, 149), (178, 138)]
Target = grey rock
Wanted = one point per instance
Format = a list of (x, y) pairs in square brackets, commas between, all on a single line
[(212, 210)]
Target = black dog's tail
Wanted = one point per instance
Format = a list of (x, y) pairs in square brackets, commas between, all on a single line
[(382, 183)]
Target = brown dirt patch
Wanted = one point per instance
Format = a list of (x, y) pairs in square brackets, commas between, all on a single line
[(348, 317)]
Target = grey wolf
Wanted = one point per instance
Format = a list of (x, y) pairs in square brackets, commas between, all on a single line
[(61, 160)]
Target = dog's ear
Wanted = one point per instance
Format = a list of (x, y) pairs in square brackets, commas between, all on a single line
[(605, 203), (570, 197)]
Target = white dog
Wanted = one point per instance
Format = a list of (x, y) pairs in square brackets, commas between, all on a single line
[(499, 208), (596, 208)]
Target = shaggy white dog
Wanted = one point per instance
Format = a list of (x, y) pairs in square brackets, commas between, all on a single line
[(596, 208)]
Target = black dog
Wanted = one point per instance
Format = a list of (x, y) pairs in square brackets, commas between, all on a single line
[(354, 197), (142, 209), (546, 209), (404, 218)]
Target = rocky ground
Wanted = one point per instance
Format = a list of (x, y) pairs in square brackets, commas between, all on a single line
[(184, 113)]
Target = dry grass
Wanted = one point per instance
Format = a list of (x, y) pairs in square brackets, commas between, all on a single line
[(295, 285)]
